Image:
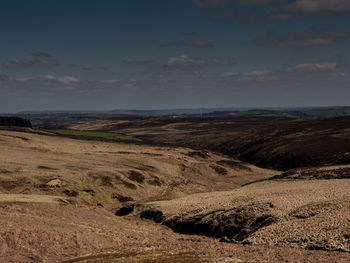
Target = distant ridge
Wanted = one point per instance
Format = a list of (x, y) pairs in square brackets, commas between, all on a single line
[(322, 111), (65, 117)]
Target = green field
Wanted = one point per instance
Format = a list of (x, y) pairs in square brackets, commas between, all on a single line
[(95, 134)]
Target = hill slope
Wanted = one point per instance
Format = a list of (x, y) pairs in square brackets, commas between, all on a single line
[(305, 213), (109, 174), (266, 141)]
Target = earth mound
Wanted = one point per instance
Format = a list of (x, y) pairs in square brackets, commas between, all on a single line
[(280, 213)]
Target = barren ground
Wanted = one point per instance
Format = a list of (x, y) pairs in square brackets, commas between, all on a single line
[(58, 197)]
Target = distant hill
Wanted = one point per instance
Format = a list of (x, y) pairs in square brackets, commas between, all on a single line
[(322, 111), (309, 112), (60, 118)]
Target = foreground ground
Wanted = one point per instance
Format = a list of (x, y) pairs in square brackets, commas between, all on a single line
[(58, 197), (308, 214), (54, 233)]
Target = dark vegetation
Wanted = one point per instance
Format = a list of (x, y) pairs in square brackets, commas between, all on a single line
[(106, 181), (292, 144), (89, 191), (70, 193), (233, 164), (267, 141), (199, 154), (108, 136), (122, 198), (236, 223), (219, 170), (155, 181), (125, 210), (43, 167), (15, 121), (155, 215), (136, 176), (314, 174)]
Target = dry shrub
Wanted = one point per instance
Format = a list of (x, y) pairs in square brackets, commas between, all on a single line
[(136, 176)]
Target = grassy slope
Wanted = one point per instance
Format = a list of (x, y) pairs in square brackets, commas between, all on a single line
[(110, 173), (94, 134)]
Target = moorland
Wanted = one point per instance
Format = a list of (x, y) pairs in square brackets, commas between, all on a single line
[(216, 187)]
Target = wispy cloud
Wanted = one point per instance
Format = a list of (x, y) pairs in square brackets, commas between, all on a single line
[(186, 64), (190, 39), (324, 67), (300, 70), (41, 59), (64, 80), (65, 83), (301, 38), (195, 42), (212, 4), (272, 10), (304, 8), (4, 78), (256, 75), (110, 81), (137, 62), (87, 68)]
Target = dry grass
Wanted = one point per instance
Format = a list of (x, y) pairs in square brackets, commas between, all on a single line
[(54, 233), (312, 212), (32, 165), (53, 189), (139, 256)]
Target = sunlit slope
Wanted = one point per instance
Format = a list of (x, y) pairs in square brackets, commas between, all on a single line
[(301, 213), (107, 174)]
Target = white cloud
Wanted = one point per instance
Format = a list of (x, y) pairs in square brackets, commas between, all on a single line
[(256, 75), (65, 79), (325, 67)]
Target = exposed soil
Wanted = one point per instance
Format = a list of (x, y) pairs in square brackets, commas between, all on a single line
[(237, 223)]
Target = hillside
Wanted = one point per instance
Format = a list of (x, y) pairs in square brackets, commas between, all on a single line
[(108, 174), (267, 141), (311, 213), (59, 196)]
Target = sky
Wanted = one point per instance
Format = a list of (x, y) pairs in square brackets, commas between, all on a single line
[(167, 54)]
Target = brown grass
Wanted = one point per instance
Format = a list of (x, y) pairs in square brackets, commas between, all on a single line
[(305, 213)]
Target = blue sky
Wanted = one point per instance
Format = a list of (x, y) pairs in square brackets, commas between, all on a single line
[(153, 54)]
